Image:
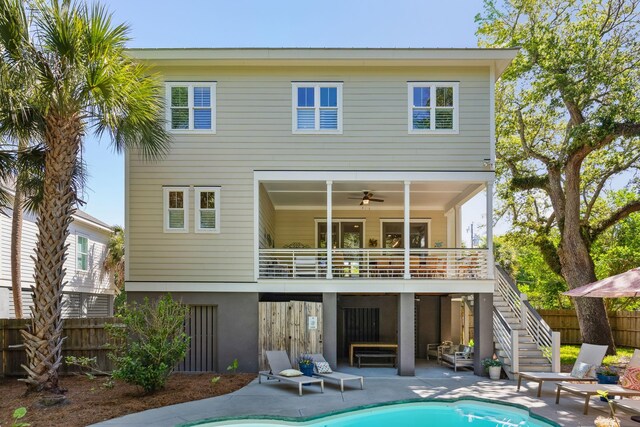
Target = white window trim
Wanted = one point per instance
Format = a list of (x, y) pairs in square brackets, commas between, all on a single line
[(411, 221), (197, 208), (294, 107), (190, 86), (338, 221), (165, 191), (432, 108), (78, 235)]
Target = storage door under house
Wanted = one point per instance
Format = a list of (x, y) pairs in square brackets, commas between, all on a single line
[(293, 326), (201, 328)]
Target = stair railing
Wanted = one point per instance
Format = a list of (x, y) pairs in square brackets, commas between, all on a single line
[(545, 338), (508, 339)]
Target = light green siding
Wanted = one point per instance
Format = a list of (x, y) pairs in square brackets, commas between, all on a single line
[(254, 119)]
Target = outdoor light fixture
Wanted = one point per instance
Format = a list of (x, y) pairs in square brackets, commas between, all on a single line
[(365, 201), (487, 163)]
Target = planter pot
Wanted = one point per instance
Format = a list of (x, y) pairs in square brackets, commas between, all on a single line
[(306, 370), (494, 372), (607, 379), (607, 422)]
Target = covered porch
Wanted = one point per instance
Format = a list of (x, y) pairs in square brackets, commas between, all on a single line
[(385, 228)]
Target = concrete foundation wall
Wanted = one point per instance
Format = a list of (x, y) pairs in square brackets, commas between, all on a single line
[(237, 324)]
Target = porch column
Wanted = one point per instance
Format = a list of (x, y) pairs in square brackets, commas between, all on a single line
[(490, 261), (458, 219), (329, 230), (406, 334), (483, 330), (407, 225), (330, 327)]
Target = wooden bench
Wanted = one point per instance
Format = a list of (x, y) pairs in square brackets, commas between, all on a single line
[(378, 355)]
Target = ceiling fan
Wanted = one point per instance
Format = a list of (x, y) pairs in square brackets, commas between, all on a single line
[(368, 197)]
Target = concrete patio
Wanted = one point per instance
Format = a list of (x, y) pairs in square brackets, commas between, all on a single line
[(381, 385)]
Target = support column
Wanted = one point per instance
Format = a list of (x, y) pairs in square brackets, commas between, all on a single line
[(329, 230), (490, 261), (330, 327), (406, 334), (407, 228), (483, 330), (458, 219)]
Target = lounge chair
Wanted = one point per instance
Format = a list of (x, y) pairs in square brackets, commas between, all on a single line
[(589, 390), (628, 405), (278, 362), (339, 377), (459, 359), (589, 353)]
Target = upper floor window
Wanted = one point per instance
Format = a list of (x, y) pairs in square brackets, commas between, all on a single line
[(82, 253), (207, 209), (317, 107), (191, 107), (176, 213), (433, 107)]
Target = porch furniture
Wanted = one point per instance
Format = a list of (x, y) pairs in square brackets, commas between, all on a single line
[(628, 405), (305, 266), (437, 349), (459, 359), (378, 345), (417, 267), (339, 377), (589, 390), (589, 353), (380, 355), (279, 361)]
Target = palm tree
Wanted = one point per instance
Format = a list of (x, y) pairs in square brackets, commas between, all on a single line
[(80, 80), (113, 263)]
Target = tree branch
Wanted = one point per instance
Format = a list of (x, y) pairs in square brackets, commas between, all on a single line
[(616, 216)]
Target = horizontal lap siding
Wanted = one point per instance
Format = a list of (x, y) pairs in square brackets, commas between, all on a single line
[(254, 133)]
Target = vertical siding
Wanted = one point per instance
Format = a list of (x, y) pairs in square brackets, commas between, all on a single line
[(254, 133)]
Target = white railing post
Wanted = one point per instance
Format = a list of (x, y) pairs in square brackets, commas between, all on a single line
[(515, 351), (555, 351), (490, 262), (407, 228), (329, 238), (523, 311)]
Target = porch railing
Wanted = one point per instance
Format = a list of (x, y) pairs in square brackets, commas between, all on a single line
[(374, 263)]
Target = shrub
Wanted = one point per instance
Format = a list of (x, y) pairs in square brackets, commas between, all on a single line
[(154, 339)]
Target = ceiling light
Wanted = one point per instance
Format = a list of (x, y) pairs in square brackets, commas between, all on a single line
[(365, 201)]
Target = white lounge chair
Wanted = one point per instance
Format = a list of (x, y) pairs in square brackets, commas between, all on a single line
[(339, 377), (459, 359), (278, 362), (589, 390), (589, 353)]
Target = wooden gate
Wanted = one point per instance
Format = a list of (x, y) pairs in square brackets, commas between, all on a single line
[(294, 326), (202, 352)]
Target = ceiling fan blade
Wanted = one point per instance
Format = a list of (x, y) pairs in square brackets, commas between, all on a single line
[(376, 200), (361, 203)]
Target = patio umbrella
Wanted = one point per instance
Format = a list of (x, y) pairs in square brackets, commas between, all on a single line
[(621, 285)]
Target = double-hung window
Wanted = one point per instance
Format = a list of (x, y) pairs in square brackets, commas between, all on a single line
[(191, 107), (207, 209), (317, 107), (82, 253), (176, 212), (433, 107)]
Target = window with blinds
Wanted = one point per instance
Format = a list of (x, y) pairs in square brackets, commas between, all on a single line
[(176, 213), (207, 209), (433, 107), (191, 106), (82, 253), (317, 107)]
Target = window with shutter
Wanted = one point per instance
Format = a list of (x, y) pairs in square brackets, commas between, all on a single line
[(191, 107), (433, 107), (317, 107), (176, 213), (207, 209)]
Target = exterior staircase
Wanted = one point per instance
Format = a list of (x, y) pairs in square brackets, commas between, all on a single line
[(522, 339)]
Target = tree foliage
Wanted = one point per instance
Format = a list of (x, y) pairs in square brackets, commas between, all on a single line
[(568, 124)]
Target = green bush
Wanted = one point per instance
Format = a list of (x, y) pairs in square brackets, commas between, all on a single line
[(154, 339)]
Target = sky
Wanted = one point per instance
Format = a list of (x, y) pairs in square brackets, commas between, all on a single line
[(274, 23)]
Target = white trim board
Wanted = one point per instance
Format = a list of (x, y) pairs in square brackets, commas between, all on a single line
[(397, 176)]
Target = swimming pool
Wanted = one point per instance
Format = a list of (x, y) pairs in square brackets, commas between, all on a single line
[(469, 412)]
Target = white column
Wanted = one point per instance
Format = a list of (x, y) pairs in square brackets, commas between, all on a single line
[(329, 230), (490, 262), (458, 219), (407, 224)]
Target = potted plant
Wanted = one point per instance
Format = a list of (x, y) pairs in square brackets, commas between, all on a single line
[(493, 366), (607, 375), (305, 362)]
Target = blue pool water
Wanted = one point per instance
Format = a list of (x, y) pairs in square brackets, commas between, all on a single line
[(468, 413)]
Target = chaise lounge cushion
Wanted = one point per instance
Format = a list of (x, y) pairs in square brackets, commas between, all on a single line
[(631, 378), (583, 370), (323, 368), (290, 373)]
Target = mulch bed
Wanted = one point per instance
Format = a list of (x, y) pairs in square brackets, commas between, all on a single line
[(89, 402)]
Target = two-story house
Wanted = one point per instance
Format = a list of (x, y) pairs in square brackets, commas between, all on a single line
[(331, 176)]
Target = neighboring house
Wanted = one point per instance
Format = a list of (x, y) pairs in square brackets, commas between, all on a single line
[(87, 292), (274, 147)]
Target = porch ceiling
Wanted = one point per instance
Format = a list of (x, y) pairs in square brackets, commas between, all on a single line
[(431, 195)]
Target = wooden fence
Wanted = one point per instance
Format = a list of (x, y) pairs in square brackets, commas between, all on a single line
[(85, 337), (625, 326)]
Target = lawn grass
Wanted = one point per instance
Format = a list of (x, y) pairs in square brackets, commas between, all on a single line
[(569, 354)]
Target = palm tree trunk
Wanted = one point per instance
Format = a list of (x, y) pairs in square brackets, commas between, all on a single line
[(43, 341), (16, 251)]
